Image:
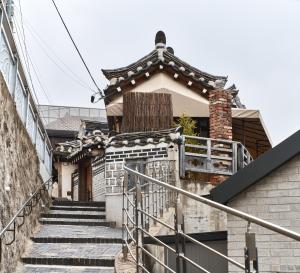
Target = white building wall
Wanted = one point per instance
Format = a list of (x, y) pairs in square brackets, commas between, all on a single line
[(275, 198), (66, 174)]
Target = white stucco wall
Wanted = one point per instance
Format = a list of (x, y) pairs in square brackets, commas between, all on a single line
[(66, 175), (275, 198)]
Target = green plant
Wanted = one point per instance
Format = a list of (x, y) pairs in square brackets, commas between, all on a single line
[(188, 125)]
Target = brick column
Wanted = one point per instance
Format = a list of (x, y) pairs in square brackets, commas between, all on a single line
[(220, 122), (220, 114)]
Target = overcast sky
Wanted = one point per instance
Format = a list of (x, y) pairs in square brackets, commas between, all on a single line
[(256, 43)]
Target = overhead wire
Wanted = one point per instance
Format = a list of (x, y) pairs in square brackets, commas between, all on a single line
[(46, 49), (27, 59), (77, 49)]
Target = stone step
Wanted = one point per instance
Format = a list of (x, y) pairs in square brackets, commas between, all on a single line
[(80, 222), (77, 234), (78, 214), (65, 269), (78, 203), (72, 254), (74, 208)]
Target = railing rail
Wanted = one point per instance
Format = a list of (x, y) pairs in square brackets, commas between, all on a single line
[(15, 77), (24, 211), (137, 209), (216, 156)]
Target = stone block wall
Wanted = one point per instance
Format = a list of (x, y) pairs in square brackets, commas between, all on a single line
[(116, 157), (276, 198), (19, 176)]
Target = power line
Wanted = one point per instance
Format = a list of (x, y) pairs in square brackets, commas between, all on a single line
[(45, 48), (83, 61)]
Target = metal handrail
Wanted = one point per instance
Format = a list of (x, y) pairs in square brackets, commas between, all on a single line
[(140, 226), (28, 203), (240, 214)]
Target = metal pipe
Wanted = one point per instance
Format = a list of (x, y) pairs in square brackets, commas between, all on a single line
[(21, 209), (193, 263), (159, 241), (243, 215), (157, 220), (157, 260)]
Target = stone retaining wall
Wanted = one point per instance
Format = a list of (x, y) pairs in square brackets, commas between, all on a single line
[(19, 176)]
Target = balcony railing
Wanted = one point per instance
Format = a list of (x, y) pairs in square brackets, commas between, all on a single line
[(214, 156), (13, 73), (144, 205)]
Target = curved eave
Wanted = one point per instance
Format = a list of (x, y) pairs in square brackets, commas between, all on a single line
[(193, 69), (197, 84), (165, 58), (122, 71)]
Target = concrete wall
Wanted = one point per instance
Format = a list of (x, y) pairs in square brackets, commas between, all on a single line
[(275, 198), (199, 217), (19, 176)]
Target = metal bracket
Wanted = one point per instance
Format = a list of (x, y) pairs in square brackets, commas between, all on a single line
[(14, 234), (250, 252)]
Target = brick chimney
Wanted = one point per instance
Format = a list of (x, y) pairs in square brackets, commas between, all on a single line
[(220, 123), (220, 114)]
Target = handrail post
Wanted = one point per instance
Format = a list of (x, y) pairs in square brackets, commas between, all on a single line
[(182, 158), (250, 251), (124, 246), (234, 158), (178, 228), (208, 153), (138, 222), (0, 250), (161, 200)]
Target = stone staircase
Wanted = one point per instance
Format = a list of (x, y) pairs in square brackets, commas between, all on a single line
[(74, 238)]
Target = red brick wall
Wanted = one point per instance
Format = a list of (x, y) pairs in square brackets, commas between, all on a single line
[(220, 114)]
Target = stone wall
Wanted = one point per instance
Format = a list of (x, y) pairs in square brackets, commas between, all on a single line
[(19, 176), (116, 157), (276, 198), (114, 171)]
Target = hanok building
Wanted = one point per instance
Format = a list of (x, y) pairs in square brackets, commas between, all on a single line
[(216, 108), (80, 165), (142, 102)]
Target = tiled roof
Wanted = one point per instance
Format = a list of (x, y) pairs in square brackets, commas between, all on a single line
[(144, 138), (97, 140), (69, 123), (163, 58), (69, 149)]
